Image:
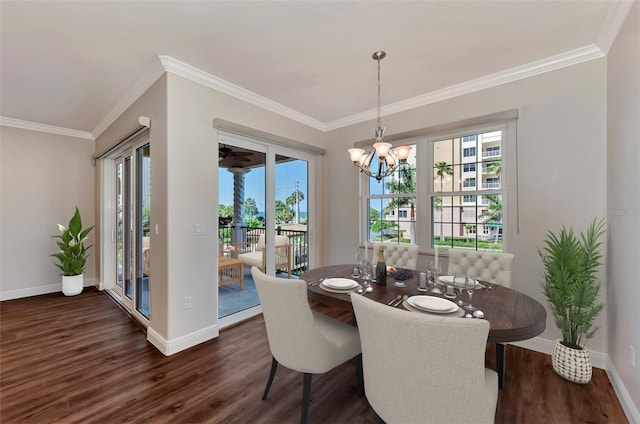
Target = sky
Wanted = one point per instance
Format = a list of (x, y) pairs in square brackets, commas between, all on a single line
[(286, 176)]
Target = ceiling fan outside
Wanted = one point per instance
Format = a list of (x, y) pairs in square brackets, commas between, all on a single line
[(225, 152)]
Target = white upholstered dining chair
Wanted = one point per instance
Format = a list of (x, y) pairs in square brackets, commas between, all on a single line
[(421, 368), (486, 266), (301, 339), (397, 255), (490, 267)]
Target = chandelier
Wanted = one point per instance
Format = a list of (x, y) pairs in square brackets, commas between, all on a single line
[(388, 159)]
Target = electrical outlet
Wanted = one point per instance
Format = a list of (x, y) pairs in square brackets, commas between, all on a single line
[(633, 356), (188, 302)]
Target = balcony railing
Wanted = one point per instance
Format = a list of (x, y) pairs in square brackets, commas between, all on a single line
[(490, 153), (491, 185), (299, 243)]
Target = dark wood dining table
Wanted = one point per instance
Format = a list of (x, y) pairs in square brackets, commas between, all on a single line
[(512, 315)]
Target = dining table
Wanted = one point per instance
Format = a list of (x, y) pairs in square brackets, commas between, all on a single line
[(512, 315)]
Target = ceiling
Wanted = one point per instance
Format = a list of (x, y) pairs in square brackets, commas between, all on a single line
[(77, 65)]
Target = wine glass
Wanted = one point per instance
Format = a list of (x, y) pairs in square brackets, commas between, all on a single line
[(470, 284), (459, 282), (365, 271)]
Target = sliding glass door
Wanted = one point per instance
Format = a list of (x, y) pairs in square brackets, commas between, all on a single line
[(263, 198), (132, 230)]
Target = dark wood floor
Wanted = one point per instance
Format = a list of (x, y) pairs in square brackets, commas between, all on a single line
[(83, 360)]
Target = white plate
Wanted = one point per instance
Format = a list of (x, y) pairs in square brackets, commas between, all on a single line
[(340, 283), (432, 304), (448, 279)]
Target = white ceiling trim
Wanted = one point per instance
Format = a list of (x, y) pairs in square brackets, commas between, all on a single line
[(34, 126), (612, 24), (142, 85), (196, 75), (562, 60), (192, 73)]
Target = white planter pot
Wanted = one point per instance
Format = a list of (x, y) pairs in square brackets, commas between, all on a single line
[(72, 284), (571, 364)]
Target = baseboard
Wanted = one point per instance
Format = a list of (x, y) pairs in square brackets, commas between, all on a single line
[(238, 317), (39, 290), (169, 347), (598, 360), (630, 409)]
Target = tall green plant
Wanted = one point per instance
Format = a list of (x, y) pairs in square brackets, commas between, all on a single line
[(73, 255), (570, 282)]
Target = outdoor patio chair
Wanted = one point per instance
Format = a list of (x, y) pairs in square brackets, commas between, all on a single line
[(254, 254)]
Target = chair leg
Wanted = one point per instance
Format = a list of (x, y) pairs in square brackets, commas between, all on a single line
[(377, 419), (274, 366), (501, 357), (306, 394), (359, 376)]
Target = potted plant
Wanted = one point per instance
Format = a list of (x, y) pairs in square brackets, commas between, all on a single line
[(72, 256), (571, 288)]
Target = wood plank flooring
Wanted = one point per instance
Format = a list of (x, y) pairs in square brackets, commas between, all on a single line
[(81, 359)]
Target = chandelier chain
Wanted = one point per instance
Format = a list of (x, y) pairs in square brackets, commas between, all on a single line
[(379, 91)]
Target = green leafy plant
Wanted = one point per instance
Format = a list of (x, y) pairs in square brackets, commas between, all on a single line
[(570, 282), (72, 256)]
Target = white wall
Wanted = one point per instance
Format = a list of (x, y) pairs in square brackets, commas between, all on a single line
[(184, 193), (623, 178), (192, 189), (43, 177), (562, 166), (152, 104)]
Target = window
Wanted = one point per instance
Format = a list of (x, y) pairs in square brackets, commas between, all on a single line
[(469, 152), (453, 214), (447, 195), (391, 205), (469, 182)]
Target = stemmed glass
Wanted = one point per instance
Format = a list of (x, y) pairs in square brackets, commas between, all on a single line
[(359, 264), (459, 282), (470, 284), (365, 272), (432, 272)]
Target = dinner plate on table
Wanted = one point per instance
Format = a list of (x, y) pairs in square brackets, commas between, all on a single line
[(436, 305), (340, 283), (448, 279)]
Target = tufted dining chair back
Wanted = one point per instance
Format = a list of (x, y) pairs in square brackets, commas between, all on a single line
[(421, 368), (486, 266), (398, 255)]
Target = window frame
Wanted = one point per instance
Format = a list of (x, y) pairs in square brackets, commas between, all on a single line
[(425, 184)]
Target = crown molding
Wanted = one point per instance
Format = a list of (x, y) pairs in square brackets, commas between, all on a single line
[(551, 63), (196, 75), (612, 24), (142, 85), (34, 126)]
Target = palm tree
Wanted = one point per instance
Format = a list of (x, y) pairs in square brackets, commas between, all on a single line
[(495, 167), (406, 183), (437, 205), (442, 170), (493, 213)]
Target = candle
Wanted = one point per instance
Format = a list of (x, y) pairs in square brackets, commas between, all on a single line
[(436, 261), (366, 251)]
